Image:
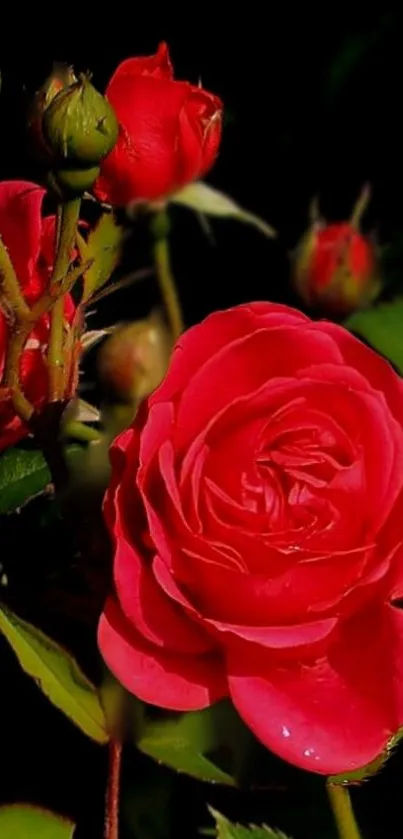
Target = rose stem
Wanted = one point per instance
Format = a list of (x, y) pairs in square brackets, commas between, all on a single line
[(19, 312), (360, 206), (160, 231), (112, 792), (340, 803), (79, 431), (67, 218)]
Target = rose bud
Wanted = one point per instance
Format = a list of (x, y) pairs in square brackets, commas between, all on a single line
[(335, 269), (62, 76), (80, 128), (133, 361), (169, 131)]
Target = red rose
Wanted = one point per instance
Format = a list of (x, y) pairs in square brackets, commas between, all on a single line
[(256, 511), (169, 131), (335, 269), (29, 239)]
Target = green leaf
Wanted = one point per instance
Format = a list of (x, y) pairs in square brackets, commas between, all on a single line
[(204, 199), (382, 327), (208, 745), (22, 821), (23, 473), (56, 673), (104, 248), (229, 830)]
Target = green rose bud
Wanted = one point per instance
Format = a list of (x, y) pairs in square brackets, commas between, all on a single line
[(71, 183), (134, 360), (62, 76), (80, 126)]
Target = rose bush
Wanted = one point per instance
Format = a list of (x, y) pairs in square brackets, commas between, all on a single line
[(30, 241), (169, 131), (256, 510)]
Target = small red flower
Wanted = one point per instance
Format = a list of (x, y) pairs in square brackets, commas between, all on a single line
[(256, 507), (335, 269), (169, 131), (30, 241)]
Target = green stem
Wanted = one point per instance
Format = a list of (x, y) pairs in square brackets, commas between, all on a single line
[(79, 431), (10, 288), (113, 789), (15, 347), (160, 230), (340, 803), (68, 214)]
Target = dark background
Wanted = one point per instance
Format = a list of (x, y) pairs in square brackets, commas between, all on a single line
[(313, 104)]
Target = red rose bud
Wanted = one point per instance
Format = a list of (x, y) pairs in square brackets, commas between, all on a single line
[(134, 360), (335, 269), (61, 77), (80, 128), (169, 132)]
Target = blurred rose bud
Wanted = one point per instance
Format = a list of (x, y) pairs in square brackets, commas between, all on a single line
[(134, 360), (335, 269), (62, 76)]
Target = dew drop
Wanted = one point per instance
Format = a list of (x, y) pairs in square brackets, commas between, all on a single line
[(309, 752), (285, 731)]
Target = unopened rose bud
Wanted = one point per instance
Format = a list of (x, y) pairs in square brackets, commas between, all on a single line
[(62, 76), (335, 269), (134, 360), (80, 126)]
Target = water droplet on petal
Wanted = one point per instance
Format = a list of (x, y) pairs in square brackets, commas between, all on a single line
[(285, 731)]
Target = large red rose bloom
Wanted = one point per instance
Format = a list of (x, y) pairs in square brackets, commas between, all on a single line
[(169, 132), (256, 508)]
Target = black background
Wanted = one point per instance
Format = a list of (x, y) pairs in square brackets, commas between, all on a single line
[(313, 103)]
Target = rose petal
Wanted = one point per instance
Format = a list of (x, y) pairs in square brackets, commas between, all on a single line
[(145, 604), (242, 367), (21, 226), (330, 716), (142, 164), (280, 637), (375, 369), (219, 329), (199, 134), (305, 587), (180, 683), (158, 66)]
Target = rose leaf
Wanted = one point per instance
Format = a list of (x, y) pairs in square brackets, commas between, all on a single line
[(229, 830), (56, 673), (23, 821), (205, 199)]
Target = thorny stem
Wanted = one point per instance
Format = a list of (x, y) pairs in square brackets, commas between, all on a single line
[(160, 231), (340, 803), (16, 343), (68, 214), (9, 286), (23, 318), (113, 790)]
